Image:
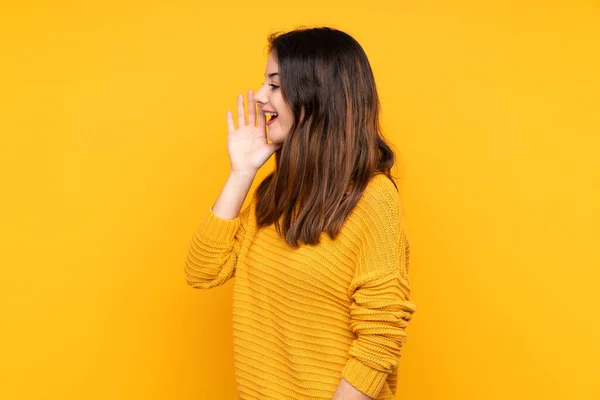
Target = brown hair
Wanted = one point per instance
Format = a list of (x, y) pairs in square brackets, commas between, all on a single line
[(335, 145)]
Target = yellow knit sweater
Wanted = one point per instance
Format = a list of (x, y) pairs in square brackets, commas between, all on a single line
[(304, 318)]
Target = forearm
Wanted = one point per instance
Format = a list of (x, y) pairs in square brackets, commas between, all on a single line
[(232, 196), (345, 391)]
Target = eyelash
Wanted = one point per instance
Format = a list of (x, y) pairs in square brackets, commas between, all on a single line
[(273, 87)]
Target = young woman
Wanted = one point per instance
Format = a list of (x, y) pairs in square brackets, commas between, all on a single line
[(320, 255)]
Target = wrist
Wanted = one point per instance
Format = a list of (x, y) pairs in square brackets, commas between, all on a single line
[(239, 174)]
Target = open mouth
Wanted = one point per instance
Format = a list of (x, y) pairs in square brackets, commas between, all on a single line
[(271, 117)]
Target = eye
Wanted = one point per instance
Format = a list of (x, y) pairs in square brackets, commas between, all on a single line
[(273, 87)]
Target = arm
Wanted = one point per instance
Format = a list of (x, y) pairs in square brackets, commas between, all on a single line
[(212, 255), (380, 308), (230, 201), (213, 251)]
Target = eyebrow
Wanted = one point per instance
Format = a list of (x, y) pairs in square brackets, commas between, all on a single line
[(272, 74)]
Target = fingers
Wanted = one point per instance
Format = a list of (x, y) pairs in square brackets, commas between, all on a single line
[(261, 118), (251, 108), (230, 125), (241, 116)]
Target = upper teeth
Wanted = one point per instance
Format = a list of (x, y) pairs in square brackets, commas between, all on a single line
[(271, 114)]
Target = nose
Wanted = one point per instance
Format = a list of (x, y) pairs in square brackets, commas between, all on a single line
[(261, 95)]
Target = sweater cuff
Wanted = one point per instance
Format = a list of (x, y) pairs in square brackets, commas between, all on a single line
[(218, 229), (367, 380)]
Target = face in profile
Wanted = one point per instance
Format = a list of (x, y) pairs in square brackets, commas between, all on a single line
[(270, 100)]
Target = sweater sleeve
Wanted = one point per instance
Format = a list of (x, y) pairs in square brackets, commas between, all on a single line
[(213, 251), (380, 292)]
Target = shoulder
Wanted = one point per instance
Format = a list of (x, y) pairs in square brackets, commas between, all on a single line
[(381, 196), (381, 184), (378, 211)]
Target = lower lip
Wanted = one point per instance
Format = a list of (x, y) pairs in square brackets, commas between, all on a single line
[(271, 121)]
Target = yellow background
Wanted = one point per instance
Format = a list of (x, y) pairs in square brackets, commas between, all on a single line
[(113, 146)]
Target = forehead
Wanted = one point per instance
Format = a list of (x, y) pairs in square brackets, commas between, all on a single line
[(272, 65)]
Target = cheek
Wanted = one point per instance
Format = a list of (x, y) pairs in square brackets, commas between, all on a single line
[(283, 108), (287, 114), (287, 118)]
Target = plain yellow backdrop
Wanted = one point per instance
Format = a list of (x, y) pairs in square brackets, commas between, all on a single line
[(112, 119)]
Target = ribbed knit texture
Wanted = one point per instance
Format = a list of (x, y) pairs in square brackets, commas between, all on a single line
[(303, 318)]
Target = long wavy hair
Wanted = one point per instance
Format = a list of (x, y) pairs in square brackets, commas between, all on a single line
[(335, 145)]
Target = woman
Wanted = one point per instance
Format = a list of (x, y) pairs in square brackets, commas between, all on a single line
[(315, 316)]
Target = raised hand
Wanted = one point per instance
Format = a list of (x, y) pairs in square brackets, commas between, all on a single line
[(247, 145)]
